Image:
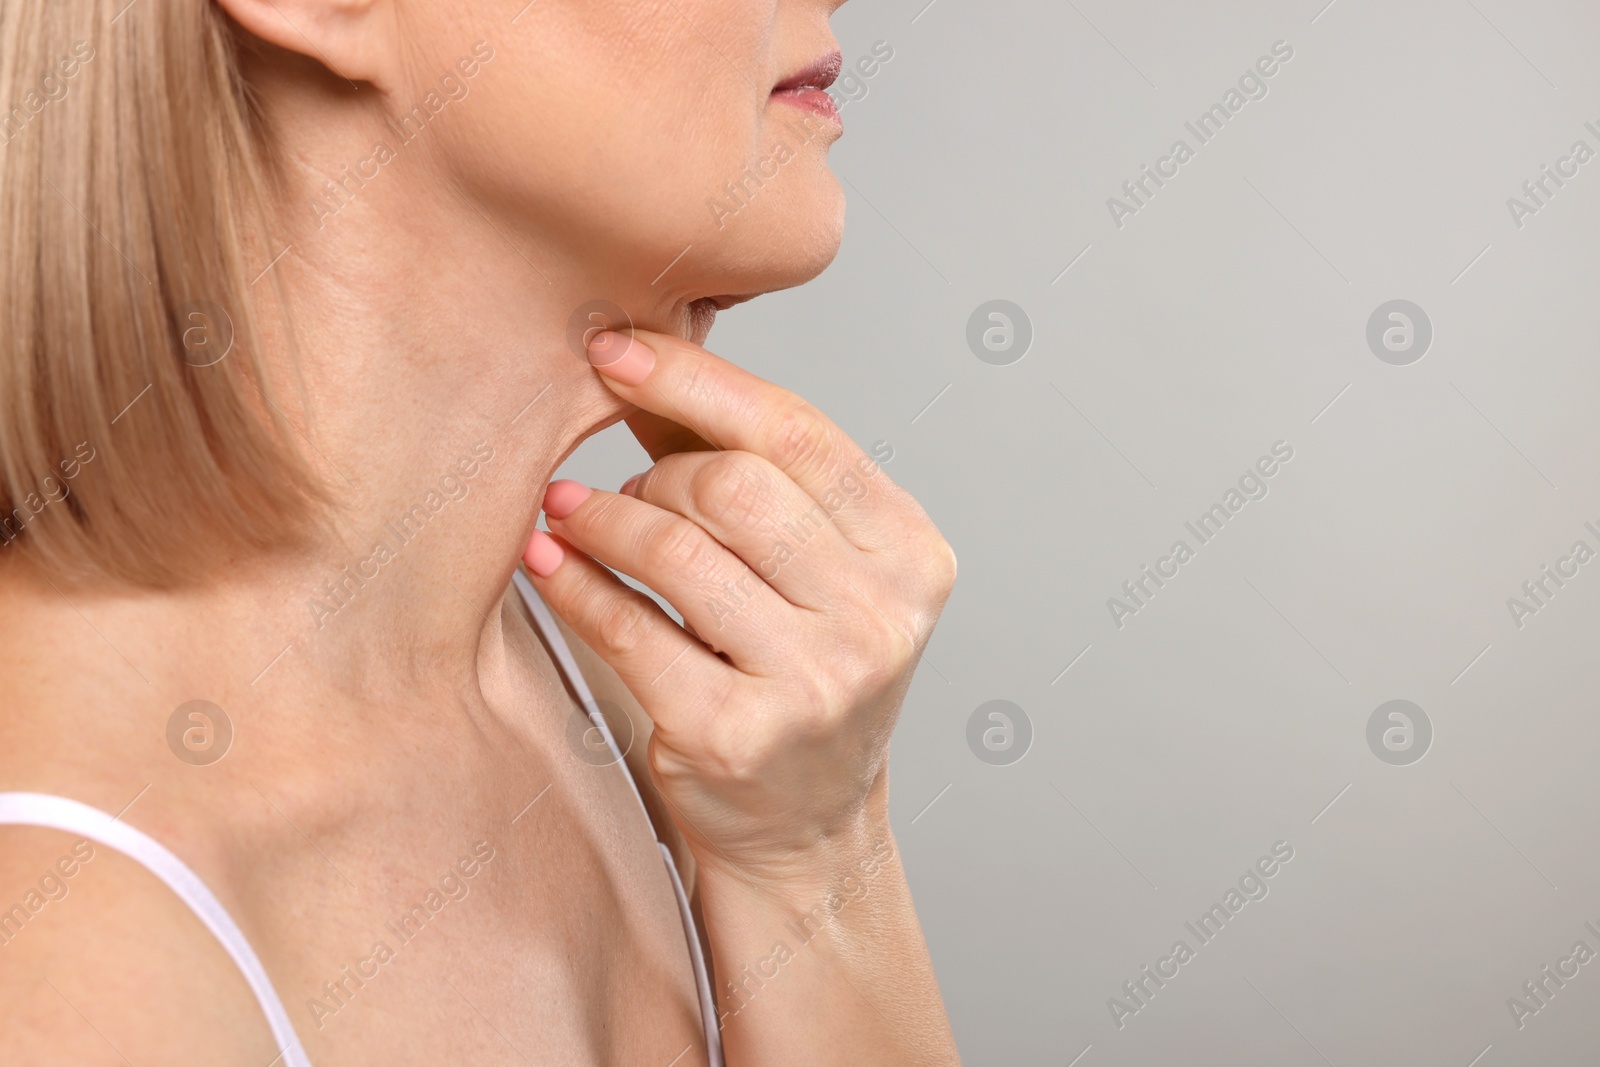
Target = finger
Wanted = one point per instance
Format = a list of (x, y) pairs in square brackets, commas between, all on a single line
[(761, 516), (675, 677), (676, 557), (732, 408), (662, 437)]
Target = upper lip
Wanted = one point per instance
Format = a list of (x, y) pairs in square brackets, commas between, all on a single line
[(818, 75)]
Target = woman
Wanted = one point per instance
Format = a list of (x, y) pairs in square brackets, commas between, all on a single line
[(303, 303)]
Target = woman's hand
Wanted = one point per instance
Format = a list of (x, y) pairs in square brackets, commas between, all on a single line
[(809, 582)]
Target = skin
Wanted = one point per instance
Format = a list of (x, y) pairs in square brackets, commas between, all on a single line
[(376, 747)]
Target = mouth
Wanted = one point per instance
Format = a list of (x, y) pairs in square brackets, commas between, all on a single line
[(808, 89)]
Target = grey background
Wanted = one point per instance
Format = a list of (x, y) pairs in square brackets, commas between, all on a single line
[(1225, 316)]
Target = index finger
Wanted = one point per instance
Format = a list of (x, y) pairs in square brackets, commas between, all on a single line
[(662, 436), (731, 408)]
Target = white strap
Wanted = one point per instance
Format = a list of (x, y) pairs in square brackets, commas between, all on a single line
[(569, 667), (61, 813), (708, 1005)]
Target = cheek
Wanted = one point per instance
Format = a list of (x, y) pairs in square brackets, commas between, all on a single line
[(615, 135), (646, 128)]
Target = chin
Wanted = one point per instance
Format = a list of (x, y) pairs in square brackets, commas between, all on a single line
[(701, 313), (782, 242), (814, 233), (780, 251)]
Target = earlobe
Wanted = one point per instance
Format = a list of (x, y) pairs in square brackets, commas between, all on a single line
[(353, 39)]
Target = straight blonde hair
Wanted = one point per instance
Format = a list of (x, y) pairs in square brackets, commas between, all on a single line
[(139, 442)]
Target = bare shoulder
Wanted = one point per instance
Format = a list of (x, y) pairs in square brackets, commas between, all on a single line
[(101, 963)]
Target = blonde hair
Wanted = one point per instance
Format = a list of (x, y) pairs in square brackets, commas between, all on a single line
[(138, 439)]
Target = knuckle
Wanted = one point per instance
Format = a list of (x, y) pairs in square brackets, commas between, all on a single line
[(872, 655), (939, 563), (745, 749), (621, 626), (724, 490), (928, 560), (881, 656), (827, 714), (681, 548), (800, 437), (740, 751), (815, 693)]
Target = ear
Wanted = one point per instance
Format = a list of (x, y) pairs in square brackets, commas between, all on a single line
[(355, 39)]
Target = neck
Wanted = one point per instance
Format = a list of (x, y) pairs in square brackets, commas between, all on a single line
[(437, 393)]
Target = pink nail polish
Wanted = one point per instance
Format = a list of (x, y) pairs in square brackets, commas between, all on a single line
[(543, 555), (616, 355), (563, 497)]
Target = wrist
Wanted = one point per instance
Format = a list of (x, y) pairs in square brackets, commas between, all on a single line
[(835, 868)]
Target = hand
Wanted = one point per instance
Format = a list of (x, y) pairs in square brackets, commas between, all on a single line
[(810, 583)]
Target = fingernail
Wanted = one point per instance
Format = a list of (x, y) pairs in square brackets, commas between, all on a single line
[(628, 486), (563, 497), (543, 555), (619, 356)]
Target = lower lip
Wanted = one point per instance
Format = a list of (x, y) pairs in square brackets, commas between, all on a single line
[(816, 101)]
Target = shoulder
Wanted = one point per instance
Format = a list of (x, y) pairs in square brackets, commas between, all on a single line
[(103, 963)]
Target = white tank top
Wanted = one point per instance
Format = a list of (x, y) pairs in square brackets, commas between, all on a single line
[(61, 813)]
